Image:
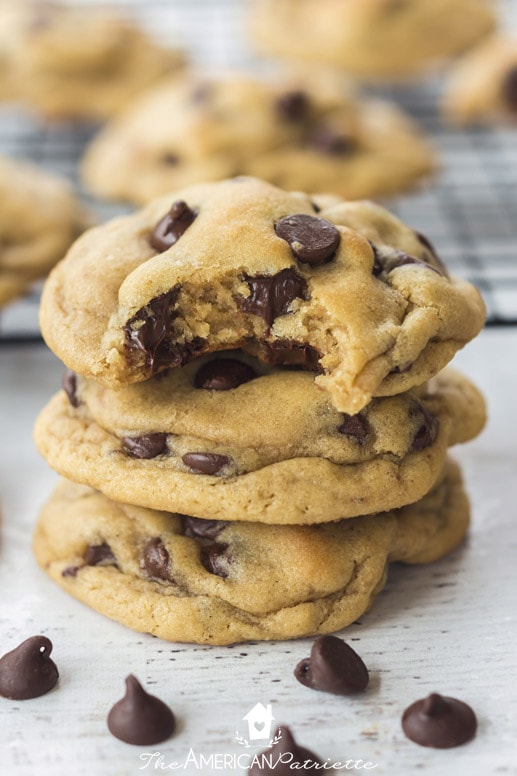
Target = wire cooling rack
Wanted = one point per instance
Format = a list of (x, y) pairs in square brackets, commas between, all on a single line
[(469, 210)]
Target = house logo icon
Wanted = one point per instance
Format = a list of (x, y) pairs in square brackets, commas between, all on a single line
[(259, 720)]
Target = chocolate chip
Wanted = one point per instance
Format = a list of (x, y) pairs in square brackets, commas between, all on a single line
[(509, 89), (156, 561), (170, 228), (391, 258), (293, 106), (354, 426), (140, 718), (196, 527), (316, 207), (285, 352), (223, 374), (216, 560), (333, 667), (170, 159), (145, 446), (201, 93), (328, 141), (439, 722), (286, 757), (205, 463), (70, 571), (28, 671), (149, 332), (99, 555), (432, 256), (427, 430), (271, 295), (312, 240), (69, 385)]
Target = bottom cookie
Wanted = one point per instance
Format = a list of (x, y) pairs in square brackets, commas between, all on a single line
[(212, 582)]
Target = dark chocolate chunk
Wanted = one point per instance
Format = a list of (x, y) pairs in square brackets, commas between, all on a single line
[(293, 106), (170, 159), (354, 426), (285, 758), (285, 352), (69, 385), (216, 560), (99, 555), (432, 256), (312, 240), (391, 259), (316, 207), (70, 571), (439, 722), (28, 671), (150, 329), (509, 89), (333, 667), (197, 528), (328, 141), (140, 718), (170, 228), (223, 374), (205, 463), (156, 560), (377, 263), (427, 430), (145, 446), (271, 295)]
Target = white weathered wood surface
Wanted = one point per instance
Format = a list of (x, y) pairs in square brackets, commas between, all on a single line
[(449, 627)]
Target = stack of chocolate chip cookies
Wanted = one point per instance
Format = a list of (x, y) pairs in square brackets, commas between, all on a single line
[(257, 420)]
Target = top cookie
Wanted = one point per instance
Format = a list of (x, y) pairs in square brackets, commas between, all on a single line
[(482, 86), (69, 62), (340, 288), (40, 217), (370, 38), (309, 135)]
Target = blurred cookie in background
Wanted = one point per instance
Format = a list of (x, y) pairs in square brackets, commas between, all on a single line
[(70, 62), (370, 39), (310, 134), (482, 86), (40, 217)]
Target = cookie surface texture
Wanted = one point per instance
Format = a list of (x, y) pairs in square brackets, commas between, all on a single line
[(371, 39), (311, 135), (342, 289), (40, 217), (217, 583), (271, 450)]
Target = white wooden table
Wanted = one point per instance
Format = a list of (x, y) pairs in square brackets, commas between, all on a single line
[(449, 627)]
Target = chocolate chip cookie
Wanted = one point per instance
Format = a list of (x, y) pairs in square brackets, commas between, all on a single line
[(227, 438), (379, 39), (40, 216), (482, 86), (308, 135), (214, 582), (69, 62), (344, 290)]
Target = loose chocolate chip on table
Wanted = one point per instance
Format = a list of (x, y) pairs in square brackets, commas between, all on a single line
[(170, 228), (216, 560), (205, 463), (145, 446), (28, 671), (223, 374), (333, 667), (99, 555), (271, 295), (288, 353), (69, 385), (509, 89), (196, 527), (439, 722), (312, 240), (427, 431), (328, 141), (354, 426), (156, 560), (278, 762), (293, 106), (139, 718)]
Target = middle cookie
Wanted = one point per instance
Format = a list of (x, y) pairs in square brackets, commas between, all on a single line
[(227, 437)]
